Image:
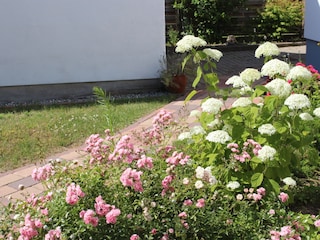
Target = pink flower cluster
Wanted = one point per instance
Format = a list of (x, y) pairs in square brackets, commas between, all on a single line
[(95, 145), (145, 162), (74, 193), (102, 209), (166, 184), (160, 122), (283, 197), (42, 173), (250, 194), (35, 200), (163, 118), (243, 155), (123, 151), (29, 229), (89, 217), (177, 158), (286, 232), (183, 216), (131, 178), (53, 234)]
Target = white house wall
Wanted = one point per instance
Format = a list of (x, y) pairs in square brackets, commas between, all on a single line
[(312, 20), (72, 41)]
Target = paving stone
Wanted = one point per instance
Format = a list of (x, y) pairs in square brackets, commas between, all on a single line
[(6, 190), (4, 180), (25, 172), (26, 182)]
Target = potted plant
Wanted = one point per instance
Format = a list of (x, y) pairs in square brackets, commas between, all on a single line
[(172, 76)]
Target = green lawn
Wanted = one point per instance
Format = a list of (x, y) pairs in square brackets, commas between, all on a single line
[(31, 135)]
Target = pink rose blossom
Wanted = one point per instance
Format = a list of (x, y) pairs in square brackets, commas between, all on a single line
[(183, 215), (256, 197), (134, 237), (131, 178), (317, 223), (74, 192), (111, 217), (200, 203), (283, 197), (89, 217), (145, 162), (261, 191), (187, 202), (29, 230), (53, 234), (285, 231), (42, 173), (101, 207), (272, 212), (153, 231)]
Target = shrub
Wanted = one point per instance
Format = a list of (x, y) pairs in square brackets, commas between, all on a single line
[(280, 17), (206, 18)]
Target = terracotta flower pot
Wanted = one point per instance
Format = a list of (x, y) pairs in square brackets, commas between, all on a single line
[(179, 84)]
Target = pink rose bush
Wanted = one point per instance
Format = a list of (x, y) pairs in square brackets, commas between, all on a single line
[(241, 182)]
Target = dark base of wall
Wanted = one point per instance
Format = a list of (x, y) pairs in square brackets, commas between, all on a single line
[(313, 54), (38, 93)]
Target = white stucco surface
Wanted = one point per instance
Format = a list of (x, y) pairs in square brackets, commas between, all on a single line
[(312, 20), (68, 41)]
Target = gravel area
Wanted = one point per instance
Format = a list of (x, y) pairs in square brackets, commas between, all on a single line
[(80, 100)]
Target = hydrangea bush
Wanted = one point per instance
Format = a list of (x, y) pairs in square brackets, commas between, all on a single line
[(235, 174)]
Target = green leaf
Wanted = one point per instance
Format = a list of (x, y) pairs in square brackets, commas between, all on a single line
[(190, 95), (256, 179), (197, 79), (238, 118), (259, 90), (275, 185)]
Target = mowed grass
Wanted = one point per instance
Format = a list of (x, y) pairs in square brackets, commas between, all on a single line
[(30, 136)]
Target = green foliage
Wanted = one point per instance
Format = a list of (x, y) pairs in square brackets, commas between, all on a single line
[(206, 18), (279, 17)]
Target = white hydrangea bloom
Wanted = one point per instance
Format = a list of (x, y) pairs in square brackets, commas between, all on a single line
[(297, 101), (241, 102), (245, 90), (233, 185), (279, 87), (267, 49), (305, 116), (316, 112), (184, 135), (189, 42), (212, 105), (267, 129), (197, 130), (213, 123), (198, 184), (299, 72), (213, 53), (266, 153), (249, 75), (236, 82), (195, 113), (218, 136), (289, 181), (275, 67)]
